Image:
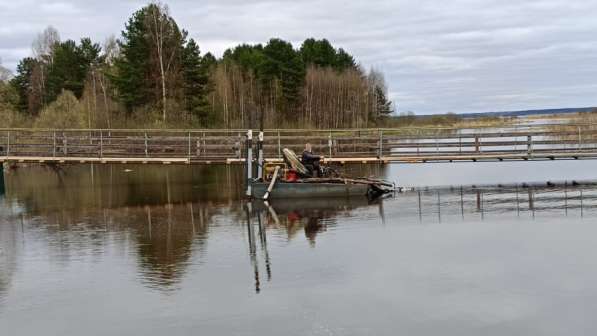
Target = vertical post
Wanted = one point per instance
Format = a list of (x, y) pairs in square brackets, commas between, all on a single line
[(420, 212), (7, 143), (54, 147), (460, 144), (418, 146), (439, 207), (330, 144), (189, 146), (529, 144), (145, 141), (64, 144), (477, 144), (260, 159), (205, 146), (581, 204), (279, 146), (249, 162), (579, 139), (380, 144), (101, 144), (240, 147)]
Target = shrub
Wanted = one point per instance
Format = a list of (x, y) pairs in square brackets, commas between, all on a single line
[(65, 112)]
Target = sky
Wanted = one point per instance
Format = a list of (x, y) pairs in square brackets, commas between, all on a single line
[(437, 56)]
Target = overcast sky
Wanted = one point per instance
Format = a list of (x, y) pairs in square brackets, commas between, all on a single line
[(438, 56)]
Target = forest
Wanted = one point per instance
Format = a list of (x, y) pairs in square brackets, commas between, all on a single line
[(154, 76)]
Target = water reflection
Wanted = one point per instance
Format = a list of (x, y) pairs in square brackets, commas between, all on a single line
[(9, 250), (312, 216), (43, 188), (165, 219), (478, 202), (166, 241)]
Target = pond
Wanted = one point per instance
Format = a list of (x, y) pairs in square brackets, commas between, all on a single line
[(153, 250)]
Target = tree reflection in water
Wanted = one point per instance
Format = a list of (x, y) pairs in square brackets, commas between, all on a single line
[(165, 216)]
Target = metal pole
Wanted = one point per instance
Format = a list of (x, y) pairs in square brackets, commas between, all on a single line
[(145, 138), (54, 147), (101, 144), (279, 146), (260, 160), (529, 144), (249, 162)]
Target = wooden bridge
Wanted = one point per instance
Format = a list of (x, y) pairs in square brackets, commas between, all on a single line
[(401, 145)]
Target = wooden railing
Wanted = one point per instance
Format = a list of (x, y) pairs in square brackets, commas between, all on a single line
[(402, 144)]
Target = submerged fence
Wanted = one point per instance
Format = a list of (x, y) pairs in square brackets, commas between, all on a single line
[(226, 146)]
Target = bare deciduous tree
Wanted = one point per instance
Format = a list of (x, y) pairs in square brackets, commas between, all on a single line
[(166, 39)]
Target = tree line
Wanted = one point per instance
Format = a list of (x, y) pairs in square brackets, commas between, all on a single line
[(154, 75)]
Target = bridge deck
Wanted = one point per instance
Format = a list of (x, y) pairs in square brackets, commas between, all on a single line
[(403, 145)]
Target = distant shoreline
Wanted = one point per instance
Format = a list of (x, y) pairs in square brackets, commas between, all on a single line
[(520, 113)]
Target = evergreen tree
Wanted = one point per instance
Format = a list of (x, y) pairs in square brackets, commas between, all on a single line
[(382, 105), (21, 82), (70, 66), (149, 69), (249, 57), (283, 63), (208, 61), (132, 66), (195, 82), (344, 60), (320, 53)]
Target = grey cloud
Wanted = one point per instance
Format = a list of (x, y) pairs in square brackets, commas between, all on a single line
[(438, 56)]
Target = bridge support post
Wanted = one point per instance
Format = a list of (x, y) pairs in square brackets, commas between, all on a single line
[(260, 160), (249, 162)]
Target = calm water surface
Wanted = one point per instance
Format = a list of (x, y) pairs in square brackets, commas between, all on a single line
[(115, 250)]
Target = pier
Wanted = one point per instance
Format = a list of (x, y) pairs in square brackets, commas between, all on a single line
[(402, 145)]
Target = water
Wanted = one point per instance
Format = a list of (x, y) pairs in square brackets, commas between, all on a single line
[(173, 250)]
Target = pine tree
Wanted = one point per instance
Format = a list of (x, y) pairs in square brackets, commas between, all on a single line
[(283, 63), (70, 67), (132, 66), (195, 82), (344, 60), (149, 70), (320, 53), (21, 82), (383, 106)]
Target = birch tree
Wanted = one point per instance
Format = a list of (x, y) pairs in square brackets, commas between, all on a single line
[(167, 41)]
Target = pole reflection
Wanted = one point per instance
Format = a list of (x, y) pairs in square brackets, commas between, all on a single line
[(165, 220)]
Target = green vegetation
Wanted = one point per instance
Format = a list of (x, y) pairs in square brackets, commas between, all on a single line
[(154, 75)]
